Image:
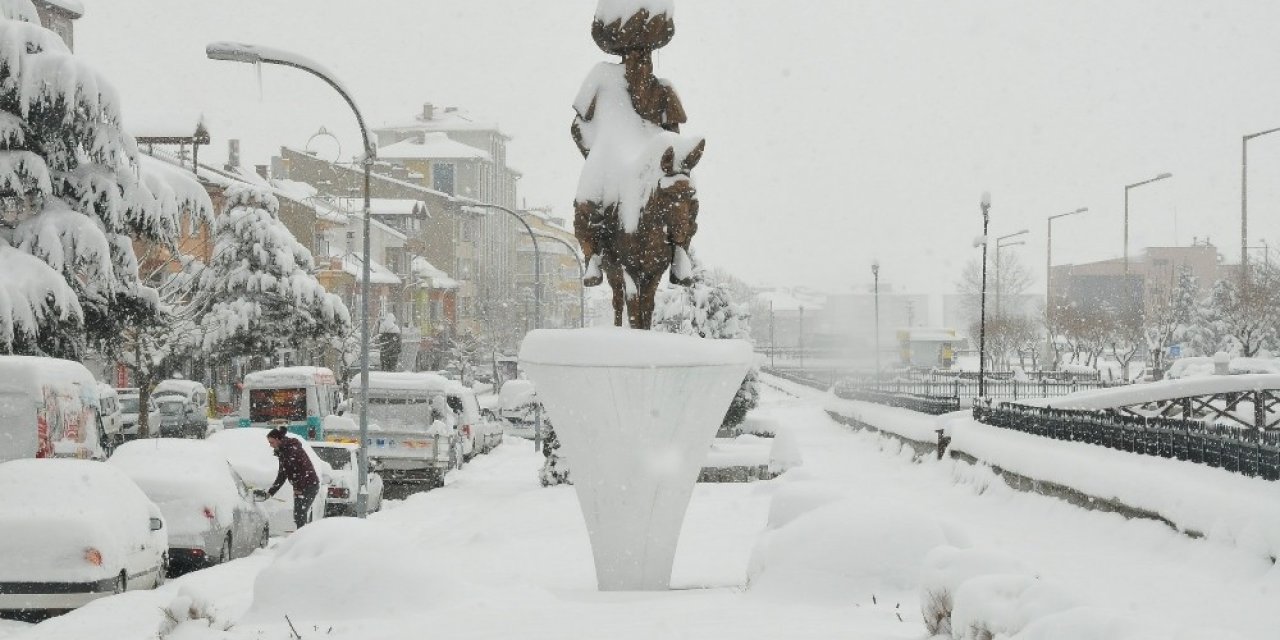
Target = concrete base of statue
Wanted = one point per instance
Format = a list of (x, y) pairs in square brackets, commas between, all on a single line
[(636, 412)]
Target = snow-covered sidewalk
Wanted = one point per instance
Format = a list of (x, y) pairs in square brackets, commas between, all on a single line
[(835, 548)]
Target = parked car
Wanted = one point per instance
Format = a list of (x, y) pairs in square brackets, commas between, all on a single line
[(211, 513), (193, 391), (300, 397), (341, 498), (74, 531), (48, 408), (518, 406), (250, 455), (180, 418), (110, 418), (129, 414)]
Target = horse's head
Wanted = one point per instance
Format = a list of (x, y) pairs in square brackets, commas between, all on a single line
[(676, 196)]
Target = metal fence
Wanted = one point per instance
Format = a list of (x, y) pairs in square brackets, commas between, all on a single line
[(1247, 451), (964, 390), (932, 405)]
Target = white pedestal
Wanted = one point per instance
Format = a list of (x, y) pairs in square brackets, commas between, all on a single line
[(636, 412)]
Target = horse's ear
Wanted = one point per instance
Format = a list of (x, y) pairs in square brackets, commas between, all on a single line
[(668, 162), (695, 156)]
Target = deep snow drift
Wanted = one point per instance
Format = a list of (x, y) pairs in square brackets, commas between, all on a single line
[(859, 542)]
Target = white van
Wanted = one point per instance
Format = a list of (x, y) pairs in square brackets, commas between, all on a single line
[(298, 397), (48, 408), (111, 416)]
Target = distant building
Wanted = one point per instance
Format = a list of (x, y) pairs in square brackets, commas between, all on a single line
[(1152, 276), (59, 16)]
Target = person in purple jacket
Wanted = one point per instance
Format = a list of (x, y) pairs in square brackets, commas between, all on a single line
[(296, 467)]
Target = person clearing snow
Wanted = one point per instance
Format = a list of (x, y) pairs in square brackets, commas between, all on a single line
[(295, 467)]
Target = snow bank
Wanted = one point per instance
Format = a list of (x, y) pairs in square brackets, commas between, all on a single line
[(348, 568), (946, 568), (850, 548), (901, 422), (1201, 366), (998, 605), (1225, 507)]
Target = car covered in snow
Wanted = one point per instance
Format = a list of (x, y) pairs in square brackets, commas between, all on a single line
[(72, 531), (130, 401), (341, 496), (518, 406), (250, 455), (48, 408), (180, 418), (211, 514)]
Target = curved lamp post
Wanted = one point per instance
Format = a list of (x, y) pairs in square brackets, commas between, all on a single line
[(875, 275), (582, 274), (256, 55), (1048, 276), (985, 204), (1000, 243), (1244, 207), (1127, 187), (537, 257)]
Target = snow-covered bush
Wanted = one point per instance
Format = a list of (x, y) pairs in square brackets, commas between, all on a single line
[(853, 548), (709, 311), (258, 294), (1000, 605), (75, 195), (555, 469), (945, 569)]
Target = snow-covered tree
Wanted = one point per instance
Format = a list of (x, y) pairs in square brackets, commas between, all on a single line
[(74, 197), (1171, 321), (1228, 322), (555, 469), (389, 343), (709, 311), (258, 295)]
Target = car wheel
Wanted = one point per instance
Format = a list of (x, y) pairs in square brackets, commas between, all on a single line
[(225, 554)]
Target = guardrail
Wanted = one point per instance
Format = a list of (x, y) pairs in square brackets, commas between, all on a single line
[(1248, 451)]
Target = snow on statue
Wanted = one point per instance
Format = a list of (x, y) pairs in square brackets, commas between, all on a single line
[(636, 208), (73, 198)]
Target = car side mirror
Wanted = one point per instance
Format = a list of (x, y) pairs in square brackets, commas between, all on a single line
[(157, 524)]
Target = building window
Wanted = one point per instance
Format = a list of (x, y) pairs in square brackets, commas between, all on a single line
[(443, 177)]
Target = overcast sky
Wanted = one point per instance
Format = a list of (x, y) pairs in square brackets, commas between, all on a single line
[(839, 131)]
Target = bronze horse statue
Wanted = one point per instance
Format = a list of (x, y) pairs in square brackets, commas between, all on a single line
[(646, 159)]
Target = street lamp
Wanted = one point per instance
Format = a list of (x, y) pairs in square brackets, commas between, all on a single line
[(875, 275), (257, 55), (1000, 242), (985, 204), (1048, 275), (537, 260), (1127, 187), (1244, 207), (582, 274)]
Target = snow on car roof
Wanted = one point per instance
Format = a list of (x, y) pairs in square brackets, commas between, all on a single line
[(29, 371), (405, 381), (289, 375), (55, 484), (178, 386)]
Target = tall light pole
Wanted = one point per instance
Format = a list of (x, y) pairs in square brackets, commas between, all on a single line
[(1048, 276), (1128, 187), (537, 260), (537, 295), (582, 273), (1000, 242), (257, 55), (875, 275), (802, 337), (773, 346), (985, 203), (1244, 208)]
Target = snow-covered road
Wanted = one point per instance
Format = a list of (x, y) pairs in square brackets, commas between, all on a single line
[(507, 558)]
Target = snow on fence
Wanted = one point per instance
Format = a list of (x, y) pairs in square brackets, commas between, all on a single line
[(1248, 451), (940, 396)]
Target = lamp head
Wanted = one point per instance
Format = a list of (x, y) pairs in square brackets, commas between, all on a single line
[(233, 52), (1163, 176), (875, 267), (1081, 210)]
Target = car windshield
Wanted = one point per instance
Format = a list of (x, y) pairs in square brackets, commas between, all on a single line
[(266, 405), (337, 457), (129, 405), (172, 408), (398, 414)]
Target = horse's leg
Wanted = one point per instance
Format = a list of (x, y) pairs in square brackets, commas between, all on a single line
[(584, 215), (619, 287), (646, 296)]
